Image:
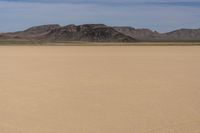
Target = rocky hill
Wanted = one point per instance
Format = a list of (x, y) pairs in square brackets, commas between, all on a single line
[(100, 33), (87, 32)]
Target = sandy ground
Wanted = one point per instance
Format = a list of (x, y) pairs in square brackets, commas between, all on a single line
[(99, 89)]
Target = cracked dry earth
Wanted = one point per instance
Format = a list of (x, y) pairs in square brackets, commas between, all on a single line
[(99, 89)]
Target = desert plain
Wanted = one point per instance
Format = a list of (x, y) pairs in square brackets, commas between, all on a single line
[(114, 89)]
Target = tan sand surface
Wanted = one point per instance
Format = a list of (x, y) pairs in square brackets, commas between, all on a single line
[(85, 89)]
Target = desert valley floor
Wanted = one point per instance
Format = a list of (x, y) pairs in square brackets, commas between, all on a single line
[(147, 89)]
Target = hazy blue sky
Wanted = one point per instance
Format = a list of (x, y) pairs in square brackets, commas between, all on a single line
[(160, 15)]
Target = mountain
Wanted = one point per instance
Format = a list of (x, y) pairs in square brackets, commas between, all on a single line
[(100, 33), (87, 32), (149, 35)]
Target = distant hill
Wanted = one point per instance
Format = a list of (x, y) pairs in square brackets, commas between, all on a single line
[(149, 35), (183, 35), (139, 34), (100, 33)]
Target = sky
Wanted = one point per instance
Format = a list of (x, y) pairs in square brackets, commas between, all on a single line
[(159, 15)]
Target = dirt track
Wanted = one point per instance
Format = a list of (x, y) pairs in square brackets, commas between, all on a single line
[(99, 89)]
